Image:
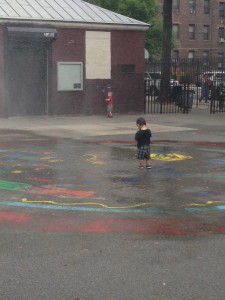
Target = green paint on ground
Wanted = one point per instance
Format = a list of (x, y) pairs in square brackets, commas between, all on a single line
[(12, 186), (29, 157)]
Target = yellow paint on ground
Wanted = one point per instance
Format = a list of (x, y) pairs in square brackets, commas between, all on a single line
[(49, 153), (25, 200), (206, 203), (55, 160), (94, 160), (170, 157), (17, 172)]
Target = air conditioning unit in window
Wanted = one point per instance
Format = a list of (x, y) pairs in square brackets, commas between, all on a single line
[(222, 40), (192, 11)]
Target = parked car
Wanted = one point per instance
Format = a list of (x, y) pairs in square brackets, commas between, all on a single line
[(217, 77), (153, 82)]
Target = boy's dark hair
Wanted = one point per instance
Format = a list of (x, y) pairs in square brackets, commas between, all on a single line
[(141, 121)]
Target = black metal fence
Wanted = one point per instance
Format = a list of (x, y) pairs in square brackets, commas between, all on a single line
[(194, 84)]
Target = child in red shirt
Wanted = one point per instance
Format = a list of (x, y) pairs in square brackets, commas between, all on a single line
[(109, 100)]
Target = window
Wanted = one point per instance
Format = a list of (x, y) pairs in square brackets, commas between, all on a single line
[(220, 60), (176, 31), (220, 57), (191, 55), (221, 35), (191, 32), (192, 6), (128, 68), (175, 56), (176, 6), (222, 9), (70, 76), (206, 7), (205, 56), (221, 32), (206, 32)]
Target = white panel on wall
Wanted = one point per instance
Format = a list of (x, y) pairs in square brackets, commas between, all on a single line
[(70, 76), (98, 55)]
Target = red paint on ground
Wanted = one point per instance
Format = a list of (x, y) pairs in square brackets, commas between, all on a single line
[(144, 226), (153, 226), (14, 218), (39, 179), (60, 192)]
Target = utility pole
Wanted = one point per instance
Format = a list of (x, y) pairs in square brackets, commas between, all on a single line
[(166, 51)]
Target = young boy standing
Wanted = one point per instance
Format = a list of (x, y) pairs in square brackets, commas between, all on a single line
[(143, 136), (109, 100)]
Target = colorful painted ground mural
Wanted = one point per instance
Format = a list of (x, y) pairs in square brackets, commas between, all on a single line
[(95, 177)]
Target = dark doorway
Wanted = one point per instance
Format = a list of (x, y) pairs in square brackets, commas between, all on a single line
[(27, 76)]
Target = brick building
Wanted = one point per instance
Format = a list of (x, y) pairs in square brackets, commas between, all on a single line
[(61, 58), (199, 29)]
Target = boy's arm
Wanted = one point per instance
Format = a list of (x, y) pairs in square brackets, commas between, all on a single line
[(136, 136)]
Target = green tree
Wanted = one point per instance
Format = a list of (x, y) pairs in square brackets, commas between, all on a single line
[(108, 4), (143, 10)]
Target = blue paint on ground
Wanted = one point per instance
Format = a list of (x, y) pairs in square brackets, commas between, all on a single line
[(221, 207), (85, 209), (212, 149), (206, 194), (199, 209), (217, 161)]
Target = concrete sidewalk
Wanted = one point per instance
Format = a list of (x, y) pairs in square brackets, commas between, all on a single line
[(198, 124)]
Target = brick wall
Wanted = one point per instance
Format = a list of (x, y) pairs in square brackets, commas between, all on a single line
[(69, 47), (127, 48), (184, 18)]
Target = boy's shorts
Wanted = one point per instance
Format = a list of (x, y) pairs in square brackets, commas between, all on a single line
[(143, 152), (109, 108)]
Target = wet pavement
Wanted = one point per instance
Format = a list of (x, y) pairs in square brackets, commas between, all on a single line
[(79, 220)]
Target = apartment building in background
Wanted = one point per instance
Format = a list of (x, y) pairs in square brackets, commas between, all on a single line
[(198, 29)]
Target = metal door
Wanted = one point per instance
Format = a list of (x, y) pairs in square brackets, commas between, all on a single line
[(27, 77)]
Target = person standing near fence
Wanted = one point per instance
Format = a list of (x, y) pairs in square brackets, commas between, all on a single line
[(206, 84)]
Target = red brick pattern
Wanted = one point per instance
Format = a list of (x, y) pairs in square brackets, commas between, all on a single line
[(184, 18), (127, 48)]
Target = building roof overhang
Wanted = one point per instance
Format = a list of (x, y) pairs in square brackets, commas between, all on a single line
[(66, 13), (80, 25)]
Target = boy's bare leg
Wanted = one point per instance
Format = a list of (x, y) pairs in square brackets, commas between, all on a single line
[(141, 163), (148, 162)]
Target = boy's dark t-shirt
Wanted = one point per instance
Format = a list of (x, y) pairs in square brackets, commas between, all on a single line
[(143, 137)]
